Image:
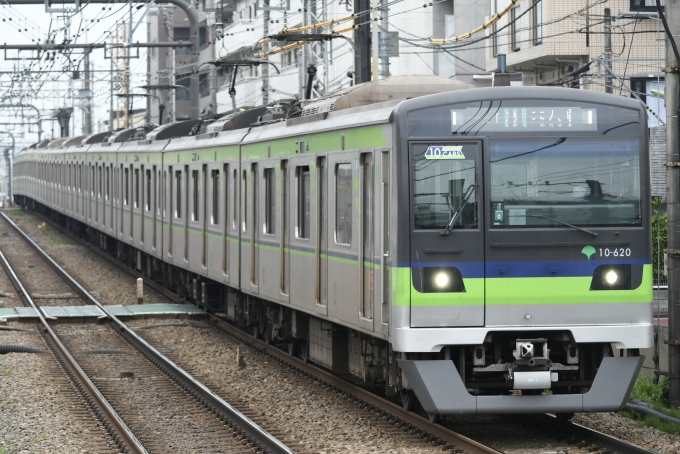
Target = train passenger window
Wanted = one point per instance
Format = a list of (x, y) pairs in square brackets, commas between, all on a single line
[(303, 202), (148, 190), (440, 190), (269, 201), (126, 187), (160, 191), (234, 185), (245, 202), (178, 198), (101, 182), (108, 183), (343, 204), (195, 207), (579, 181), (215, 215), (80, 178), (136, 188)]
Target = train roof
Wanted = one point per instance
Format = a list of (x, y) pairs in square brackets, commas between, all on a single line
[(365, 104)]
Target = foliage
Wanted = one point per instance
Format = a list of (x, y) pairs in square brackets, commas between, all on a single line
[(657, 396), (654, 394), (651, 421), (659, 237)]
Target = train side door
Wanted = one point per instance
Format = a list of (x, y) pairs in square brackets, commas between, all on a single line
[(344, 295), (321, 252), (447, 234)]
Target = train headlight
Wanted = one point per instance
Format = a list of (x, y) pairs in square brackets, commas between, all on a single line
[(611, 277), (441, 279)]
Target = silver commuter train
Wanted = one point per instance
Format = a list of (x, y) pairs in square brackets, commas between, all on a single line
[(467, 249)]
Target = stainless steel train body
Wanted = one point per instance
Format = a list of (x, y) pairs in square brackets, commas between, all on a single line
[(467, 250)]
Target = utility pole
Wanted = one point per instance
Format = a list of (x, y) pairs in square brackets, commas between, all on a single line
[(87, 120), (375, 51), (265, 48), (385, 40), (608, 87), (362, 42), (126, 65), (112, 77), (672, 76)]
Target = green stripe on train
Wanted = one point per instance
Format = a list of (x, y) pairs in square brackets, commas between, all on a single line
[(519, 291)]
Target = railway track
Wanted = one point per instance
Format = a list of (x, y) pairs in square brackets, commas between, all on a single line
[(89, 354), (481, 432)]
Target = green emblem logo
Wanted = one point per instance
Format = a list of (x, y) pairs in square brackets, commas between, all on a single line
[(588, 251)]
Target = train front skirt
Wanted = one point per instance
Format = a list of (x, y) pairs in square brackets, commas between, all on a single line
[(440, 390)]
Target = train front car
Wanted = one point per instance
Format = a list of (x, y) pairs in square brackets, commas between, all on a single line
[(522, 279)]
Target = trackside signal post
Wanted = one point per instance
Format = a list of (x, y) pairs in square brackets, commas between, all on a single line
[(672, 67)]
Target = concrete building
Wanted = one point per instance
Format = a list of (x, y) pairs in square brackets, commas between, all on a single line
[(553, 39), (403, 31), (167, 66)]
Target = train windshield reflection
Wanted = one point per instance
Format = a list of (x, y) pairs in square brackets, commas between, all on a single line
[(584, 182)]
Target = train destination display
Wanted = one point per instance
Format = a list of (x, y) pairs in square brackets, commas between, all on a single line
[(532, 119)]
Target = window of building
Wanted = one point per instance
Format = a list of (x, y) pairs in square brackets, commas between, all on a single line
[(195, 205), (343, 204), (178, 196), (182, 92), (303, 202), (538, 22), (515, 35), (215, 215), (269, 201), (203, 85)]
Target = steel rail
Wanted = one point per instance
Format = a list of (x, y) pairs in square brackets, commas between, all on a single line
[(593, 436), (120, 430), (252, 430)]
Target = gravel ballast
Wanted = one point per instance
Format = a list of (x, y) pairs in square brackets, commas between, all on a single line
[(317, 418), (110, 285), (298, 407), (39, 409), (631, 431)]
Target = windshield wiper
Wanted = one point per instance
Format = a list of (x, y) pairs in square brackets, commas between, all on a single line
[(459, 209), (590, 232)]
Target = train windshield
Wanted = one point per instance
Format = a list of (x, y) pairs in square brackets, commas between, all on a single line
[(580, 181)]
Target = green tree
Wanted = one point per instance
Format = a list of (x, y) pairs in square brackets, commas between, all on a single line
[(659, 237)]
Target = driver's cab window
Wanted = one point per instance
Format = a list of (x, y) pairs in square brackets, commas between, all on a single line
[(443, 187)]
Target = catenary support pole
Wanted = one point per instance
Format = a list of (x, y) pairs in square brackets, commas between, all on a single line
[(362, 41), (87, 119), (265, 48), (673, 203), (192, 15), (608, 86)]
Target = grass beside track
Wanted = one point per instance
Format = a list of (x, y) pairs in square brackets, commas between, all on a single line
[(34, 221), (655, 394)]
